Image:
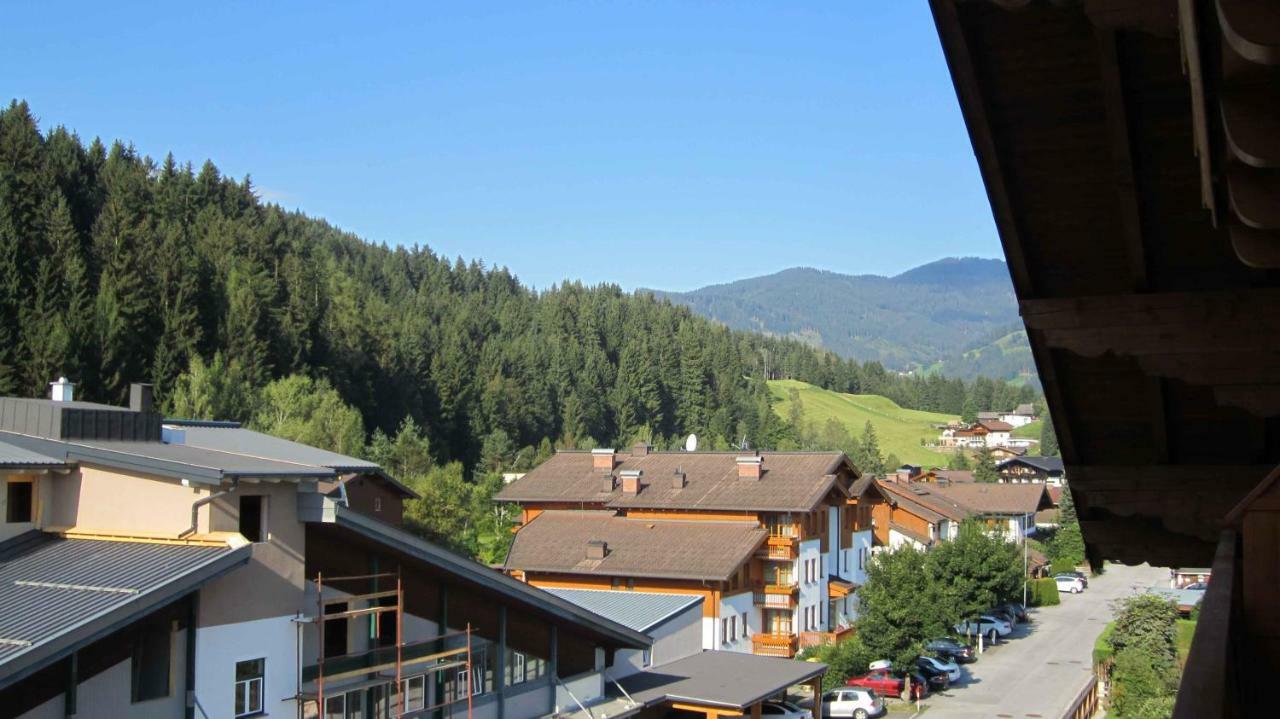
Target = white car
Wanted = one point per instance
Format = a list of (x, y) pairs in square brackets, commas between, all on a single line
[(1069, 583), (852, 703), (944, 665), (784, 710), (988, 626)]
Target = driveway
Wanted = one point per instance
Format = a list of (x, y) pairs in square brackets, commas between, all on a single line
[(1043, 665)]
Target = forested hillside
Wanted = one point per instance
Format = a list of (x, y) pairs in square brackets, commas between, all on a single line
[(115, 268), (915, 319)]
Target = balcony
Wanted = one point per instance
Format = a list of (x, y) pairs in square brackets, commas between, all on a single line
[(781, 548), (816, 639), (781, 594), (774, 645)]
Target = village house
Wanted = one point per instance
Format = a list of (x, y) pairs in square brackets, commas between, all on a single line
[(776, 543), (152, 567), (1021, 416), (1024, 469), (924, 513)]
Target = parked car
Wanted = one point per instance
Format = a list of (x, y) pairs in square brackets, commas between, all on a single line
[(1019, 612), (936, 679), (1084, 578), (951, 649), (946, 666), (887, 683), (784, 710), (1069, 583), (1005, 614), (1197, 585), (921, 685), (851, 703), (987, 626)]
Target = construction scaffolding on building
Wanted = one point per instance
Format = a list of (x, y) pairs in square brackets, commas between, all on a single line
[(377, 674)]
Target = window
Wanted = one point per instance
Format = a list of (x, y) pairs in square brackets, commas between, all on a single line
[(335, 707), (377, 504), (517, 667), (150, 665), (724, 630), (646, 657), (335, 631), (733, 628), (19, 498), (744, 624), (252, 517), (250, 676), (415, 692)]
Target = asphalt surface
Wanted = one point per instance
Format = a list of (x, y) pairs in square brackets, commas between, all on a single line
[(1039, 669)]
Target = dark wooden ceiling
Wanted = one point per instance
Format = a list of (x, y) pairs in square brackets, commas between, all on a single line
[(1128, 154)]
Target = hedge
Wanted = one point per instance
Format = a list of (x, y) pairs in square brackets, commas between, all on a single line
[(1043, 592), (1062, 565)]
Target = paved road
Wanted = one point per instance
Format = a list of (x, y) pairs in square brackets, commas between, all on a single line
[(1040, 669)]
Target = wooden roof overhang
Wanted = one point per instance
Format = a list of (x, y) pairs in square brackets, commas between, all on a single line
[(1131, 155)]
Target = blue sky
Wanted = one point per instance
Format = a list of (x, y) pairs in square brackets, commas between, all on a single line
[(658, 144)]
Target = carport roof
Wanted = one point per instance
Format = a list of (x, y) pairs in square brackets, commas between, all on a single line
[(722, 679)]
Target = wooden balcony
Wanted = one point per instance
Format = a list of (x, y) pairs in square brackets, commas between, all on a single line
[(780, 548), (814, 639), (779, 595), (774, 645)]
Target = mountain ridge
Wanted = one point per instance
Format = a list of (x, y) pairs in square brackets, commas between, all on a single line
[(943, 316)]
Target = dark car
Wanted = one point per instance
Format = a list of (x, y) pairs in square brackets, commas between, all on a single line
[(1003, 613), (1084, 578), (920, 684), (951, 649), (936, 678), (1018, 611)]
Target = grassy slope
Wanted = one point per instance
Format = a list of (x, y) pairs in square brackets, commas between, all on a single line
[(898, 429), (1029, 431)]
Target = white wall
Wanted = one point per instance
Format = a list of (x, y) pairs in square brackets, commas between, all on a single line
[(676, 638), (862, 542), (897, 539), (585, 687), (736, 605), (813, 592), (219, 647)]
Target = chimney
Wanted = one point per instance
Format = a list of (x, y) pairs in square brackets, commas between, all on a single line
[(678, 480), (750, 466), (602, 460), (607, 484), (62, 390), (631, 481), (640, 449), (597, 549), (141, 397)]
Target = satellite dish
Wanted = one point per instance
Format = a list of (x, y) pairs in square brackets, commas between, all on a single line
[(691, 444)]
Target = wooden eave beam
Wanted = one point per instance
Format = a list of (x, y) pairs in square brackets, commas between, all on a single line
[(1122, 156)]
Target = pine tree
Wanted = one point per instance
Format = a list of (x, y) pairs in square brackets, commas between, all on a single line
[(1048, 438), (54, 321), (984, 466), (10, 300), (870, 461)]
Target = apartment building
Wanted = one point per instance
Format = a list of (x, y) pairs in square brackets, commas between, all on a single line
[(923, 513), (159, 568), (776, 543)]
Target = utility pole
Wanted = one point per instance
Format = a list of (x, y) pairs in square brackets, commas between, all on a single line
[(1025, 551)]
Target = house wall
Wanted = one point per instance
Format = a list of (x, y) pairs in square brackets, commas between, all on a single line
[(109, 693), (677, 637), (41, 494), (812, 592), (372, 496), (272, 583), (94, 498), (737, 605), (219, 647), (859, 554)]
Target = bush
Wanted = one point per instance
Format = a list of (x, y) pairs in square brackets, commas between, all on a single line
[(1062, 565), (844, 659), (1043, 592)]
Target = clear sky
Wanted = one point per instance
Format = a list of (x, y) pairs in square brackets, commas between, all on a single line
[(658, 144)]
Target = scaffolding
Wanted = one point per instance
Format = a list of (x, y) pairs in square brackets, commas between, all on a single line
[(377, 660)]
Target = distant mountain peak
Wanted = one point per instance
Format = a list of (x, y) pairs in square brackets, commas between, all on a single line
[(952, 271)]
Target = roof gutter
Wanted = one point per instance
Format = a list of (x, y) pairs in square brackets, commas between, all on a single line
[(195, 507)]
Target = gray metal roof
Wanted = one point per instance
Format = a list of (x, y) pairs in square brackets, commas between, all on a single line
[(256, 444), (167, 460), (57, 595), (640, 611), (12, 456), (723, 679), (472, 571)]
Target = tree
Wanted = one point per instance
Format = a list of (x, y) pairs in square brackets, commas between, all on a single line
[(984, 466), (408, 454), (1145, 679), (969, 414), (869, 459), (442, 512), (1048, 438), (1068, 541), (974, 572), (899, 611), (309, 411), (217, 390), (958, 460)]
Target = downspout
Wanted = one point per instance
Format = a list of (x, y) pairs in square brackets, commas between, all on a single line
[(195, 508)]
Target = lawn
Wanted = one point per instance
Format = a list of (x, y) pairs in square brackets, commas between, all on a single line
[(899, 430), (1186, 630), (1028, 431)]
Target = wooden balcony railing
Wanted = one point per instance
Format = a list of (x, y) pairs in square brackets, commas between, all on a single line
[(784, 548), (774, 645), (775, 600), (814, 639)]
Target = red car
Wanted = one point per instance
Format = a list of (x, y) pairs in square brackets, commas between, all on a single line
[(885, 684)]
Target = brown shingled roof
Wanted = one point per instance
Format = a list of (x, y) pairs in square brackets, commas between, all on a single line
[(556, 541), (922, 500), (985, 498), (792, 481)]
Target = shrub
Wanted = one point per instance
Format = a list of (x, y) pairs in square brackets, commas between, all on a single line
[(1043, 592), (1062, 565), (844, 659)]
